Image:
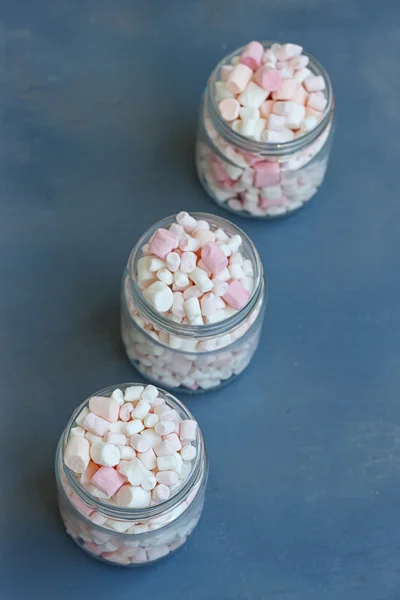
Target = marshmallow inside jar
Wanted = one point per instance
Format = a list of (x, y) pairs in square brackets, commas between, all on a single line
[(193, 300), (265, 130), (131, 470)]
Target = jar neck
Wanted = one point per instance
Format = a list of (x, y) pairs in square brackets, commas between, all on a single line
[(197, 474), (198, 332), (245, 144)]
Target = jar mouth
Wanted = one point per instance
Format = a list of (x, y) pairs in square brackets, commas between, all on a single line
[(267, 148), (198, 331), (119, 512)]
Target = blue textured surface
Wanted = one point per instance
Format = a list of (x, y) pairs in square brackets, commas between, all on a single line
[(97, 140)]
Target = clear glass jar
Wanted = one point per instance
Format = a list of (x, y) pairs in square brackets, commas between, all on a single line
[(220, 152), (183, 357), (127, 536)]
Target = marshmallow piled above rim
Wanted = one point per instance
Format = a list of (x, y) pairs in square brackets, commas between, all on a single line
[(270, 95), (194, 275), (131, 450)]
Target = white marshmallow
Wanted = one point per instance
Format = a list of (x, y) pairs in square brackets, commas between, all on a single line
[(159, 296), (253, 95), (133, 497), (133, 393), (165, 276), (133, 427), (201, 279), (192, 308), (105, 454), (141, 409), (172, 261), (118, 396)]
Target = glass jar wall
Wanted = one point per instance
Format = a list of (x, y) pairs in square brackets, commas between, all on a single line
[(126, 536), (185, 357), (255, 178)]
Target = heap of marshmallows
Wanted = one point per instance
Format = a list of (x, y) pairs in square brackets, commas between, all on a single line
[(270, 95), (193, 275), (131, 449)]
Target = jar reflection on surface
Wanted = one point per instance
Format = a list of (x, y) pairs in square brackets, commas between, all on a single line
[(131, 537), (191, 358), (225, 159)]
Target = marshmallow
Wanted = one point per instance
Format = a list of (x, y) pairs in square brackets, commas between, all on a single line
[(107, 408), (252, 55), (105, 454), (159, 296), (76, 454), (133, 497), (239, 78)]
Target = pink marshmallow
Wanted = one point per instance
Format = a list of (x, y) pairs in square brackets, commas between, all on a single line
[(236, 296), (252, 55), (239, 78), (269, 79), (108, 480), (107, 408), (163, 243), (266, 173), (286, 91), (214, 258), (229, 109), (218, 171), (266, 109)]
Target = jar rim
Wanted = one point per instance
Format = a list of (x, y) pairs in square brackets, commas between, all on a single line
[(268, 148), (197, 331), (133, 514)]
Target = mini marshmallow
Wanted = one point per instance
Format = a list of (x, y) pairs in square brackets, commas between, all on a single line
[(160, 493), (133, 393), (150, 420), (229, 109), (314, 83), (133, 427), (125, 412), (107, 408), (104, 454), (107, 480), (140, 443), (118, 439), (141, 409), (188, 223), (192, 308), (159, 296), (76, 454), (188, 452), (188, 262), (239, 78), (188, 429), (95, 424), (169, 478), (253, 96), (163, 243), (133, 497), (165, 276), (118, 396), (148, 458), (203, 282), (252, 55), (173, 261), (165, 427)]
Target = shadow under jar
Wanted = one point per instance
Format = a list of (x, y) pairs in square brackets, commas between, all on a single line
[(127, 536), (255, 178), (184, 357)]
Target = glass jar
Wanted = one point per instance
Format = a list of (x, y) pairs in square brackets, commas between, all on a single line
[(127, 536), (183, 357), (225, 159)]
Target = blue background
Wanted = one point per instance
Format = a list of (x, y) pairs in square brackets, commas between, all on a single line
[(99, 102)]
